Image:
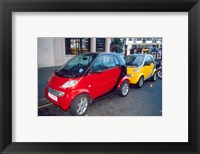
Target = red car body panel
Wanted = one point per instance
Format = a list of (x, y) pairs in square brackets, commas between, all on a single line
[(122, 80), (103, 82), (94, 84), (64, 101)]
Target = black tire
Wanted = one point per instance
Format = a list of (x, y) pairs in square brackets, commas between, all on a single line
[(159, 74), (153, 78), (79, 105), (140, 82), (123, 89)]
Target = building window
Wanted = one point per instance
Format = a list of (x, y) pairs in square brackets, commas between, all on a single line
[(159, 39), (134, 40), (144, 40), (100, 44), (74, 46), (149, 39), (139, 39), (154, 40), (130, 39)]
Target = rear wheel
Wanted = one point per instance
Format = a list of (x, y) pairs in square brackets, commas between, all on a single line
[(124, 89), (79, 105)]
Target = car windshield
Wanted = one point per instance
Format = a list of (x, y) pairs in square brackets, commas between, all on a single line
[(76, 66), (134, 60)]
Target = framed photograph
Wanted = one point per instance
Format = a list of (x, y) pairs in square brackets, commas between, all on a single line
[(86, 76), (98, 69)]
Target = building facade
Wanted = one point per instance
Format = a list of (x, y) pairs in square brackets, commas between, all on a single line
[(55, 51)]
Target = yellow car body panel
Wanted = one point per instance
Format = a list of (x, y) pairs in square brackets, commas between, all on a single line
[(134, 76)]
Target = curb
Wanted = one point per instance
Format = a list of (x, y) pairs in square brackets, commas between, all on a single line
[(42, 101)]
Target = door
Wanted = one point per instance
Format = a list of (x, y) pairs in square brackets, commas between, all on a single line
[(105, 74)]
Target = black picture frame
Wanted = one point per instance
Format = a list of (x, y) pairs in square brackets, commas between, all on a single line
[(9, 6)]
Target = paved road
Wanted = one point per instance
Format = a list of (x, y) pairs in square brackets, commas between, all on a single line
[(145, 101), (43, 76)]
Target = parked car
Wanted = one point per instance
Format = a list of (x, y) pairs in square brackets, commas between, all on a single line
[(140, 67), (86, 78)]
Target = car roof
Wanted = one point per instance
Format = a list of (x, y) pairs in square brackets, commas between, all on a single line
[(140, 55), (100, 53), (136, 55)]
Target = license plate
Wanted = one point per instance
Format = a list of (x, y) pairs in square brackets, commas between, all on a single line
[(52, 97)]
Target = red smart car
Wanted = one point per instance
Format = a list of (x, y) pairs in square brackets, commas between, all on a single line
[(86, 78)]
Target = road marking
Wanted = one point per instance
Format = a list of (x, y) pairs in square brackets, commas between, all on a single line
[(42, 106)]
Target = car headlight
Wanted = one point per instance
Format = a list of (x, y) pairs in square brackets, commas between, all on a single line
[(136, 70), (130, 75), (69, 84)]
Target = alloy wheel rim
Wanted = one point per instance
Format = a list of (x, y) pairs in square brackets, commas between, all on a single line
[(82, 105), (125, 89)]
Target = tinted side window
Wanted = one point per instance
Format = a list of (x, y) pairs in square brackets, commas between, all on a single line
[(121, 59), (104, 62), (148, 59), (152, 60), (116, 61)]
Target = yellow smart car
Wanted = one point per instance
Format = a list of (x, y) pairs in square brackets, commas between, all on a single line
[(140, 67)]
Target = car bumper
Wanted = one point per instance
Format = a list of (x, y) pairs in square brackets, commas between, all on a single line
[(133, 78), (59, 98)]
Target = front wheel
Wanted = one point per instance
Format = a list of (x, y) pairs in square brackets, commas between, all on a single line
[(79, 105), (124, 89), (140, 82)]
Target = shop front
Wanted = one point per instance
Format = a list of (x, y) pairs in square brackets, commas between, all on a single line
[(74, 46)]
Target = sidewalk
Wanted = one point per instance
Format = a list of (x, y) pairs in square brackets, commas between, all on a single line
[(43, 76)]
